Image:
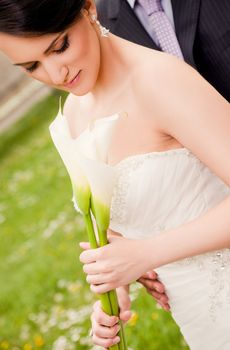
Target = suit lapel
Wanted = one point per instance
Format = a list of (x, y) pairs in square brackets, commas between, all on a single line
[(186, 14), (127, 25)]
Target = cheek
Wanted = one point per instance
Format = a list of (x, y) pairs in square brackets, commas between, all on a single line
[(94, 56), (42, 77), (87, 52)]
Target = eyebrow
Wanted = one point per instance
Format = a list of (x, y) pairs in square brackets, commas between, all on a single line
[(45, 52)]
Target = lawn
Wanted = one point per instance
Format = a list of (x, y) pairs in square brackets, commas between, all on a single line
[(45, 302)]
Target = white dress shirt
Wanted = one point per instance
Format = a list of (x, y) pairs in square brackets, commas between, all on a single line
[(143, 17)]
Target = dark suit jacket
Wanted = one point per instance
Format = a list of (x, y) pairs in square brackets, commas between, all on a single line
[(202, 28)]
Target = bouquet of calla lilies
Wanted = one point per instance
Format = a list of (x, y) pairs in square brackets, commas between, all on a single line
[(93, 182)]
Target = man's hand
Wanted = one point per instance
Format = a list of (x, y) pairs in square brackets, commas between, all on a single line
[(155, 288)]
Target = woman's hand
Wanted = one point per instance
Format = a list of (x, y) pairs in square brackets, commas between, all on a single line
[(155, 288), (116, 264), (105, 327)]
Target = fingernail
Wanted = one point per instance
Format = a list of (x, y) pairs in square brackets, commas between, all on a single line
[(116, 340), (115, 320)]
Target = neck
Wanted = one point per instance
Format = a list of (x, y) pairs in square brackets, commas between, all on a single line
[(114, 68)]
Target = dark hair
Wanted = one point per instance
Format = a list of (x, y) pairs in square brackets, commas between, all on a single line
[(38, 17)]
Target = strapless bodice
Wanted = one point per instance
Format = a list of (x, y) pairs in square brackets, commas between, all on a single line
[(162, 190)]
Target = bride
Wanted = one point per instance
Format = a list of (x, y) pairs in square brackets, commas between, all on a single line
[(171, 148)]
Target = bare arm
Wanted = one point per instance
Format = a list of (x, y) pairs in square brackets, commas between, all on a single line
[(198, 117), (191, 111)]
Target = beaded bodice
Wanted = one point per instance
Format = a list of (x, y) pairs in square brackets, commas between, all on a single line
[(162, 190)]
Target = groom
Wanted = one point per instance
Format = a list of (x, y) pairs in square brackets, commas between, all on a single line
[(202, 31)]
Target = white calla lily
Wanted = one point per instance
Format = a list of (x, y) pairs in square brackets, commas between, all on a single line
[(102, 179), (94, 141), (93, 181), (67, 150)]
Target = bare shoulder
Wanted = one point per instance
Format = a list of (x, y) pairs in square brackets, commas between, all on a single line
[(170, 87), (189, 109)]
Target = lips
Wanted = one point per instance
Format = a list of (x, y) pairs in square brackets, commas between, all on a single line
[(73, 81)]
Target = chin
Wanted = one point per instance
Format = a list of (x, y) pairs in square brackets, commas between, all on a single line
[(83, 89)]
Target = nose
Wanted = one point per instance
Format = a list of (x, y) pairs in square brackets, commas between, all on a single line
[(58, 73)]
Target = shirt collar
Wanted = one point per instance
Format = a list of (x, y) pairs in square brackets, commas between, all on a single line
[(131, 3)]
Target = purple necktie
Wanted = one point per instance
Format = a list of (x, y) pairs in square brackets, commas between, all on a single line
[(162, 27)]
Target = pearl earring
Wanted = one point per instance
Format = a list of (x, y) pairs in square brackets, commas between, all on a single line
[(104, 31)]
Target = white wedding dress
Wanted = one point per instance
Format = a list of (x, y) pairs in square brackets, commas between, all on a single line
[(162, 190), (158, 191)]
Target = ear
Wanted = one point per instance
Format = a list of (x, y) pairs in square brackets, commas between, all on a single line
[(90, 7)]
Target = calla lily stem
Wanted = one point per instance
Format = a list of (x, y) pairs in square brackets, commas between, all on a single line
[(108, 300), (104, 298), (113, 295)]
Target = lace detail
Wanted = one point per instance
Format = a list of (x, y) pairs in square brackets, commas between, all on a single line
[(150, 155), (217, 264), (125, 169), (118, 205)]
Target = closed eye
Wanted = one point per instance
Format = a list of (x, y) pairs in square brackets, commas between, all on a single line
[(32, 68), (64, 46), (62, 49)]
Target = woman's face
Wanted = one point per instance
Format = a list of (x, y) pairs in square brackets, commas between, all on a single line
[(68, 61)]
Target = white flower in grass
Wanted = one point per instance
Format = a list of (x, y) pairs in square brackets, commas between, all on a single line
[(62, 343)]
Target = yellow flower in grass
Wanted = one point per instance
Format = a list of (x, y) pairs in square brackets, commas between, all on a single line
[(4, 345), (27, 346), (38, 341), (155, 316), (133, 320)]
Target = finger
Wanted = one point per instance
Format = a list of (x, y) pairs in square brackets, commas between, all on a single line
[(125, 315), (159, 297), (153, 285), (95, 268), (98, 278), (123, 299), (105, 332), (84, 245), (102, 318), (124, 303), (106, 343), (166, 307), (89, 256), (163, 304), (111, 233), (150, 275), (158, 286), (102, 288)]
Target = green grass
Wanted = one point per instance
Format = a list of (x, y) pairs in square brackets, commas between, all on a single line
[(45, 302)]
